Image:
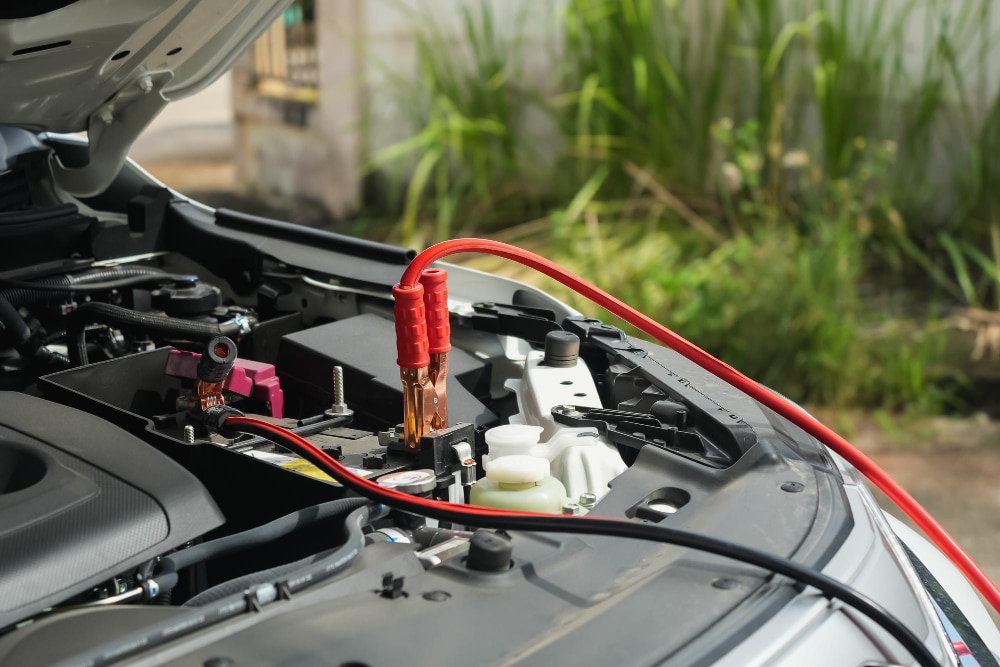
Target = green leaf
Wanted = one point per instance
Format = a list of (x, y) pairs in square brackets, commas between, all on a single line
[(585, 195), (418, 183), (961, 269)]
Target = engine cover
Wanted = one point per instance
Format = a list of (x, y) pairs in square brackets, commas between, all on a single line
[(82, 501)]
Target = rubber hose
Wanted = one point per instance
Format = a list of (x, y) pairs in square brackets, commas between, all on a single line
[(13, 322), (105, 313), (19, 330), (167, 582), (113, 273), (261, 534), (50, 361), (163, 599), (324, 561), (240, 584), (24, 296)]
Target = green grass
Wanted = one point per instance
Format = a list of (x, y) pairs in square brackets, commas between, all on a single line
[(470, 153), (643, 81), (764, 174), (782, 303)]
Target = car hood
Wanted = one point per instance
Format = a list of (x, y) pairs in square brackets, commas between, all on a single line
[(108, 67)]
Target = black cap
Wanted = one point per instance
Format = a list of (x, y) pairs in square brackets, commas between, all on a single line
[(217, 360), (562, 349), (488, 552), (186, 297)]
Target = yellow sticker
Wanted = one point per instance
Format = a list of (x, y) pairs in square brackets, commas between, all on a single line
[(304, 467)]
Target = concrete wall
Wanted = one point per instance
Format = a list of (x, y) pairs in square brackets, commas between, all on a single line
[(367, 46), (297, 149)]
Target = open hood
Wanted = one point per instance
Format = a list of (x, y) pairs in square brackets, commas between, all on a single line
[(108, 67)]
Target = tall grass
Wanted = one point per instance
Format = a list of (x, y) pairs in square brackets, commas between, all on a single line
[(648, 79), (645, 81), (470, 149), (859, 60)]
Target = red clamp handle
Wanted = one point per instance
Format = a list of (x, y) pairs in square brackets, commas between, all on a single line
[(411, 327), (435, 283)]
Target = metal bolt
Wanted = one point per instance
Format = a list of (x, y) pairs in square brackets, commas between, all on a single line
[(792, 487), (588, 500), (145, 84), (338, 386), (725, 583), (189, 435), (571, 508), (106, 116), (339, 407)]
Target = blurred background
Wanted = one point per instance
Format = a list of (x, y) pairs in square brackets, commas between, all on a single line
[(809, 189)]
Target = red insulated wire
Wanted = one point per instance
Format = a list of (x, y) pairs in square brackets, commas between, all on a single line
[(355, 482), (760, 393)]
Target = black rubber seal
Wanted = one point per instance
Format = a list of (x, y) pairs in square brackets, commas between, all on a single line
[(288, 231)]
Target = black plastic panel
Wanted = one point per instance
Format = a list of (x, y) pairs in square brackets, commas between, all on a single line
[(82, 501), (238, 256), (365, 346), (319, 238)]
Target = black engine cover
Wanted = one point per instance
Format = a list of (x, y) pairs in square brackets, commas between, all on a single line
[(82, 501)]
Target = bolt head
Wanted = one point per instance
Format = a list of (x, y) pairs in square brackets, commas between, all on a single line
[(571, 509), (725, 583), (436, 596)]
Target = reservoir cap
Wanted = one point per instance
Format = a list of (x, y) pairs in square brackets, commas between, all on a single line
[(518, 469)]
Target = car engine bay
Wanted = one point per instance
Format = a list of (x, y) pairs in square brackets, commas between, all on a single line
[(129, 520)]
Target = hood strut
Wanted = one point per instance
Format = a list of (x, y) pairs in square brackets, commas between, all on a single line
[(111, 131)]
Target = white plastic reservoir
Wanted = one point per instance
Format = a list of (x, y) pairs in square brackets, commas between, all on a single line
[(579, 458), (519, 482)]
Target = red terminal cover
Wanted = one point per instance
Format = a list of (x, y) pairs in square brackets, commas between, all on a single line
[(411, 327), (435, 282)]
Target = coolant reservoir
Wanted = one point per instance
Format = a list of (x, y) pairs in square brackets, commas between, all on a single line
[(519, 482), (583, 462), (578, 457)]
